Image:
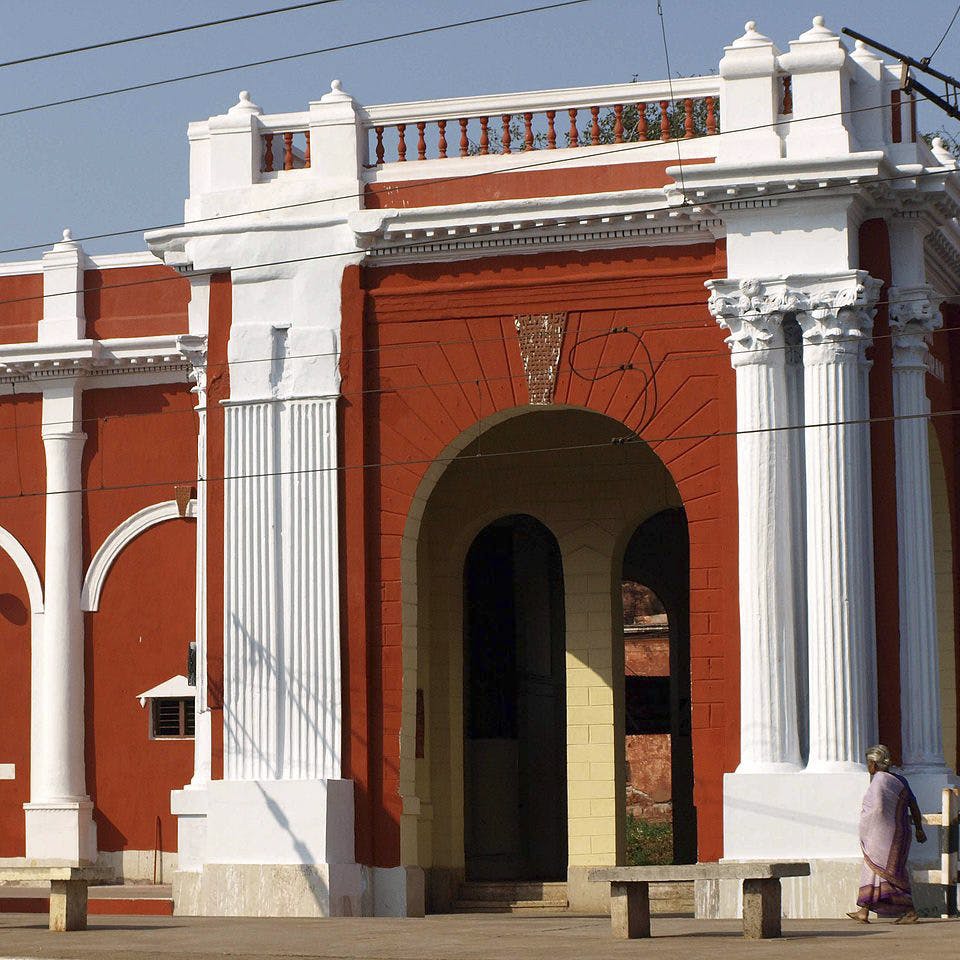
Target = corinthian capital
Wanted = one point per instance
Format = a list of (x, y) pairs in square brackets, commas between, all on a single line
[(193, 349), (914, 315), (752, 310), (837, 316)]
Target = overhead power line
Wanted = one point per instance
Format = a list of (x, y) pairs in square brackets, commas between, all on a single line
[(953, 19), (624, 439), (413, 245), (166, 33), (293, 56), (456, 178)]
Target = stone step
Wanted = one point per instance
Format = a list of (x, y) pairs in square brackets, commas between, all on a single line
[(512, 891), (511, 906)]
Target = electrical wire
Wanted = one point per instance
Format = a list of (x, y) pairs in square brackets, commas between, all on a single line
[(166, 33), (457, 178), (416, 246), (623, 439), (611, 369), (290, 56), (673, 99), (953, 19)]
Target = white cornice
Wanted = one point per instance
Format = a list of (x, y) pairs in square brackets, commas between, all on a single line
[(105, 261), (96, 358)]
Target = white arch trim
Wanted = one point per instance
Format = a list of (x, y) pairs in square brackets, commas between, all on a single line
[(15, 550), (113, 546)]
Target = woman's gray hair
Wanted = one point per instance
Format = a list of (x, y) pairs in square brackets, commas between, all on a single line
[(880, 755)]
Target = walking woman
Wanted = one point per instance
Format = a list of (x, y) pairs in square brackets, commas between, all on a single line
[(888, 807)]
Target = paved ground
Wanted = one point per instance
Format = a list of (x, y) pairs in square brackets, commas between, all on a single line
[(464, 937)]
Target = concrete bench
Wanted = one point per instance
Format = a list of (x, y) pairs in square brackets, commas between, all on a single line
[(68, 889), (630, 896)]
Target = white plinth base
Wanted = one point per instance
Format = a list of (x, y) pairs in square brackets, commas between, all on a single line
[(792, 816), (62, 831), (280, 848)]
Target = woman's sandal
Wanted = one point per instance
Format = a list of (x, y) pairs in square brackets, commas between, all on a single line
[(909, 917), (856, 915)]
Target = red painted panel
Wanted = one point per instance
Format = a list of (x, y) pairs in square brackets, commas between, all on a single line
[(135, 302), (442, 350), (137, 640), (141, 442), (21, 307), (875, 258), (519, 184), (14, 705)]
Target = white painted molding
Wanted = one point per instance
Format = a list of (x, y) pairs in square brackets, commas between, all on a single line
[(113, 546), (15, 550), (8, 771)]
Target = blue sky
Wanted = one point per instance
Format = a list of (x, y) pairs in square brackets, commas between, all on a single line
[(121, 162)]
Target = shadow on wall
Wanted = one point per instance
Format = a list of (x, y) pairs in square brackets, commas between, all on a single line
[(13, 609)]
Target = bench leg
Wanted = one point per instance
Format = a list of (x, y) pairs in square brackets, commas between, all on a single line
[(761, 909), (630, 910), (68, 905)]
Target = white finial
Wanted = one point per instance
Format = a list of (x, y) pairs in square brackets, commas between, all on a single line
[(751, 36), (942, 153), (244, 104), (750, 26), (335, 85), (818, 20), (337, 94), (67, 235)]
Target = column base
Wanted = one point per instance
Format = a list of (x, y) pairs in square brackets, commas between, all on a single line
[(793, 816), (61, 831), (927, 784)]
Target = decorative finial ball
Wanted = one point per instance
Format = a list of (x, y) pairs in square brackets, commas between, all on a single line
[(750, 26), (938, 143), (67, 235), (818, 20), (335, 85), (244, 96)]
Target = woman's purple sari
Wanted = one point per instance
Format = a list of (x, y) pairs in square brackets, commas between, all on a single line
[(885, 841)]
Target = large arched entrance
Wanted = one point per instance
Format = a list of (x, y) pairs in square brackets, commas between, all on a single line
[(514, 712), (537, 507)]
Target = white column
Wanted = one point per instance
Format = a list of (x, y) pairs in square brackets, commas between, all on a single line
[(58, 817), (836, 324), (194, 348), (768, 473), (914, 314)]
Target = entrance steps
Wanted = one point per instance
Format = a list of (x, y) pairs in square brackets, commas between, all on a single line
[(504, 897), (540, 898)]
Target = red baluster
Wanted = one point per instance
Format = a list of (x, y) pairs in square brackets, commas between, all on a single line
[(288, 151), (306, 149), (595, 127), (421, 141), (442, 141), (464, 141), (711, 117), (618, 123), (574, 135), (379, 132), (641, 121), (505, 139), (401, 143), (551, 132), (484, 137), (528, 131), (664, 120), (687, 119), (267, 164), (787, 107)]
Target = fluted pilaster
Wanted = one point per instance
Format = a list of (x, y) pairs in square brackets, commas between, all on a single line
[(768, 472), (914, 315), (837, 322)]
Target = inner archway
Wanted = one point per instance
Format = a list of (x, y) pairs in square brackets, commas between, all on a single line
[(515, 758)]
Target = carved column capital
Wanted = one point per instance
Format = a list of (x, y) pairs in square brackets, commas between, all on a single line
[(753, 310), (194, 350), (837, 317), (914, 315)]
